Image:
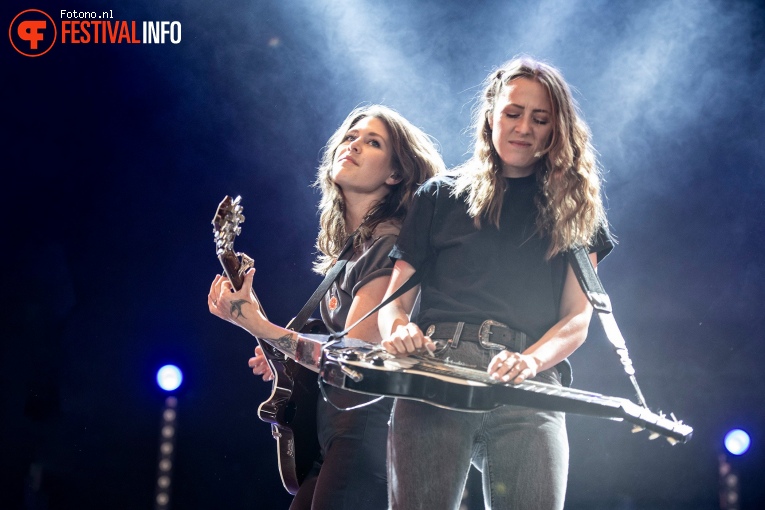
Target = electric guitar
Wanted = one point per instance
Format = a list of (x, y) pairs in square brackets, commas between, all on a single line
[(291, 408), (368, 369)]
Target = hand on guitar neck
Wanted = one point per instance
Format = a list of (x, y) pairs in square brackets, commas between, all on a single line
[(241, 307)]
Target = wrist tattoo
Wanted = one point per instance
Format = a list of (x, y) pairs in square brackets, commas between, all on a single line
[(287, 343), (236, 308)]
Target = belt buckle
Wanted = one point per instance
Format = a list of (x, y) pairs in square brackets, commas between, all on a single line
[(485, 331)]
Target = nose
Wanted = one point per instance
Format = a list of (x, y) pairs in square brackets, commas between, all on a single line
[(355, 145), (523, 125)]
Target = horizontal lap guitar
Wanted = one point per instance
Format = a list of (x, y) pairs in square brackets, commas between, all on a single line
[(365, 368)]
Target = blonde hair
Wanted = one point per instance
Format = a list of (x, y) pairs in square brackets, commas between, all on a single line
[(414, 159), (569, 205)]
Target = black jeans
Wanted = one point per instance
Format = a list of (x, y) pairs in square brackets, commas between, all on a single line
[(351, 473)]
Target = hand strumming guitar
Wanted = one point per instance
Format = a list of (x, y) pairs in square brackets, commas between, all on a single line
[(259, 365)]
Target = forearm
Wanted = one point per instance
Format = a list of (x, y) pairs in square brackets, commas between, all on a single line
[(560, 341), (396, 313), (391, 316)]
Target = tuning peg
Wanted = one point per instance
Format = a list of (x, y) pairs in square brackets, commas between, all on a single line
[(653, 435), (637, 428), (672, 441)]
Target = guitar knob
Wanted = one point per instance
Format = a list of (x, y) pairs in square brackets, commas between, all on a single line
[(351, 356), (378, 361)]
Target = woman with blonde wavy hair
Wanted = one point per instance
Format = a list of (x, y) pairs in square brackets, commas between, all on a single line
[(369, 171), (497, 292)]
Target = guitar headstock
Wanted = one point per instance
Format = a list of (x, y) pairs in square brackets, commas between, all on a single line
[(226, 226), (226, 223), (675, 431)]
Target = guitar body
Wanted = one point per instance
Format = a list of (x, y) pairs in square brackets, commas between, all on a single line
[(291, 411)]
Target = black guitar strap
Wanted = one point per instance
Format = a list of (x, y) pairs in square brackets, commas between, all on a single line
[(593, 289), (300, 320)]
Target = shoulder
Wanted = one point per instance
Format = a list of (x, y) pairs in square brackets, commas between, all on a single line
[(383, 236), (440, 185), (386, 228), (603, 242)]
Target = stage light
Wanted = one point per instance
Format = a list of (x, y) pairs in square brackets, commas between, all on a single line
[(737, 442), (169, 377), (163, 488)]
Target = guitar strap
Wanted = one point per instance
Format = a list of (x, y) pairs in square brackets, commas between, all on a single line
[(583, 269), (300, 320), (411, 282), (596, 294)]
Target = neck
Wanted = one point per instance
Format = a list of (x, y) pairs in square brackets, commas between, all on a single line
[(516, 172), (357, 207)]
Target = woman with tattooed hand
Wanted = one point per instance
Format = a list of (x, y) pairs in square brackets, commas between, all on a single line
[(370, 169)]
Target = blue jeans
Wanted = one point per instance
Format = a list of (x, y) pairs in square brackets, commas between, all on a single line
[(522, 453)]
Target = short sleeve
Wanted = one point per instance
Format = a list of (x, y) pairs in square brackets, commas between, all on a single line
[(602, 242), (413, 244), (374, 262)]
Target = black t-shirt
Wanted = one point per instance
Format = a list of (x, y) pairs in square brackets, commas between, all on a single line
[(487, 273), (370, 262)]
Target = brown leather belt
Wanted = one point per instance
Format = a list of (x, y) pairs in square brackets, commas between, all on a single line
[(489, 334)]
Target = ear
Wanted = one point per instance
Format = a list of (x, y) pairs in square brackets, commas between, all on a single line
[(394, 179), (489, 118)]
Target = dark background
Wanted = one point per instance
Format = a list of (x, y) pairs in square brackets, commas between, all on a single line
[(115, 157)]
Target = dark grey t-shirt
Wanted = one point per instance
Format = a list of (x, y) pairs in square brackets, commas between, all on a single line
[(370, 262), (488, 273)]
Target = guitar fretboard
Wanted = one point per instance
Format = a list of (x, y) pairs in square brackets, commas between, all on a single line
[(471, 375)]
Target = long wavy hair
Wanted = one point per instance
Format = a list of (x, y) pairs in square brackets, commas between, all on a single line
[(414, 158), (569, 204)]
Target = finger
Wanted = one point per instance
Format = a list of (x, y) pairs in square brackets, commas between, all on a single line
[(247, 283), (498, 361), (518, 372), (520, 377), (504, 363), (394, 345), (430, 346), (213, 294), (212, 304), (260, 361), (216, 284), (408, 344), (414, 339)]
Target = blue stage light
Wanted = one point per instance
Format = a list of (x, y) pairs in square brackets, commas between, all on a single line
[(737, 442), (169, 377)]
